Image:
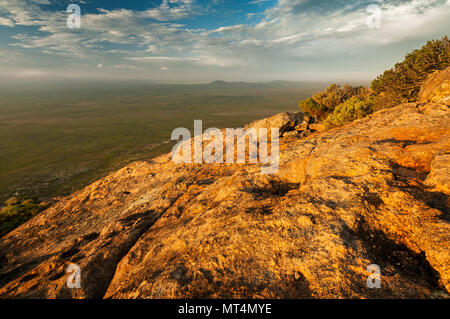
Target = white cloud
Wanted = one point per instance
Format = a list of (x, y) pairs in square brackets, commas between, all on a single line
[(124, 66), (6, 22), (285, 34), (258, 1), (202, 60)]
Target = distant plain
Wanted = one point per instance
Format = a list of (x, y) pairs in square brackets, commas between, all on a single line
[(59, 139)]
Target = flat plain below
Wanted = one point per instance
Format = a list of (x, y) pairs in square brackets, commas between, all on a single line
[(58, 139)]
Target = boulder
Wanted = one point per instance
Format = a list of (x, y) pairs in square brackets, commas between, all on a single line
[(436, 88), (317, 127), (285, 122)]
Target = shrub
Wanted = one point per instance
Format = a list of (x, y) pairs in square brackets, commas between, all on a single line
[(354, 108), (402, 83), (310, 107), (335, 95), (339, 105), (12, 201), (323, 103), (16, 213)]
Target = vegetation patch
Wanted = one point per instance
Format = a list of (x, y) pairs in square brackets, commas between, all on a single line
[(354, 108), (16, 212), (339, 105), (402, 83)]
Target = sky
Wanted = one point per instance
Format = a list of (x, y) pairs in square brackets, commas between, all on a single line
[(206, 40)]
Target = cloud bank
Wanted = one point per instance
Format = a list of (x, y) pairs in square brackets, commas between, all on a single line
[(175, 40)]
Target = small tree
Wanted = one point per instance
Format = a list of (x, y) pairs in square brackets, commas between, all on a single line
[(323, 103), (402, 83), (312, 108)]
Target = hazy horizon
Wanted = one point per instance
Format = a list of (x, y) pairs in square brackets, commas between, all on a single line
[(30, 88)]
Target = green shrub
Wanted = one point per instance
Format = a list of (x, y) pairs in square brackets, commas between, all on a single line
[(323, 103), (335, 95), (16, 213), (354, 108), (340, 105), (310, 107), (402, 83)]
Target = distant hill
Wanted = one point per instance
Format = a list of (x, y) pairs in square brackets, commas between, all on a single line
[(224, 83)]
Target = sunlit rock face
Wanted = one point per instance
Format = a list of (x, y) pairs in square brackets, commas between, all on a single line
[(436, 88), (375, 191)]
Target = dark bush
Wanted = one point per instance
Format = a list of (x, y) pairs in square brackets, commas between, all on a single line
[(402, 83), (323, 103), (339, 105), (310, 107), (16, 213)]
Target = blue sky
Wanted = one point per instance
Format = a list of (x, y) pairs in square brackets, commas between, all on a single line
[(205, 40)]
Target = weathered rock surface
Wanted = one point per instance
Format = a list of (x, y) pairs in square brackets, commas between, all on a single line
[(436, 88), (373, 192), (285, 122)]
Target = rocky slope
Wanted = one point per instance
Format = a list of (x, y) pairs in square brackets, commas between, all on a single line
[(436, 88), (375, 191)]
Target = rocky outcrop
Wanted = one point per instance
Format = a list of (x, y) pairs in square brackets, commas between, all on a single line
[(436, 88), (285, 122), (375, 191), (290, 124)]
